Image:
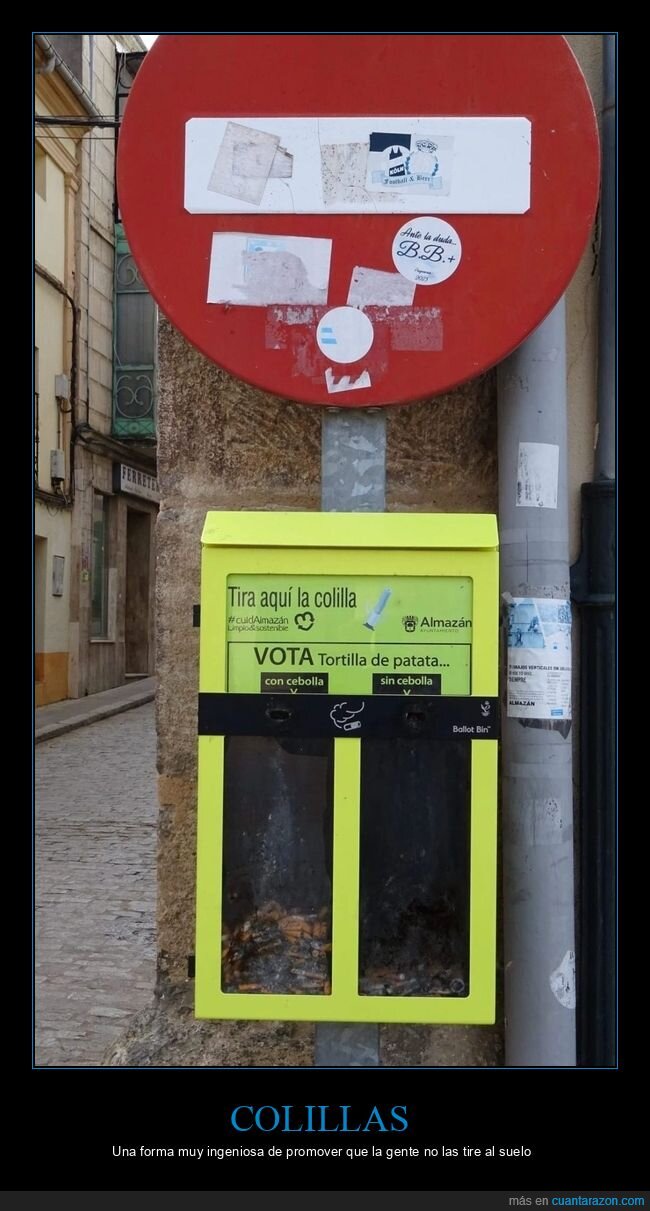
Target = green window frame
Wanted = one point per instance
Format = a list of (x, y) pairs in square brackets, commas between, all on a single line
[(134, 349)]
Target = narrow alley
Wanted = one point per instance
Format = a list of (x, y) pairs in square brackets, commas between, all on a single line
[(95, 885)]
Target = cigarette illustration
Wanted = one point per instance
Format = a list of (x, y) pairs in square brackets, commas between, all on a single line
[(343, 718), (373, 617)]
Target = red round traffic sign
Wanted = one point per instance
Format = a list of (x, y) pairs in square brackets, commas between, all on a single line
[(358, 219)]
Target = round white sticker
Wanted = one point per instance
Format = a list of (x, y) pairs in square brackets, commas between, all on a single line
[(427, 250), (345, 334)]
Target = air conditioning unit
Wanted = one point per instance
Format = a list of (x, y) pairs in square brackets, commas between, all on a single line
[(57, 466)]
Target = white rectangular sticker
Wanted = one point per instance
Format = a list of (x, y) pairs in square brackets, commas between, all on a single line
[(255, 270), (539, 658), (375, 287), (477, 165), (538, 468), (243, 164)]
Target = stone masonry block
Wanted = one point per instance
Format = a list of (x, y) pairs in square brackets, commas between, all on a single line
[(217, 433), (101, 309), (454, 437), (101, 369), (101, 278), (102, 341)]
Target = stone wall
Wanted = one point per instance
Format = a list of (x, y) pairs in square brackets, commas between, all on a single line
[(224, 445)]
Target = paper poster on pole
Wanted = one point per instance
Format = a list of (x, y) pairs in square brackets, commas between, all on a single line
[(539, 657)]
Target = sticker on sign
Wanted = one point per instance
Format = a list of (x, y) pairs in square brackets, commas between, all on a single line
[(427, 250)]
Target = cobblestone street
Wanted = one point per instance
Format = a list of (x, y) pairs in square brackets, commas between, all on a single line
[(95, 885)]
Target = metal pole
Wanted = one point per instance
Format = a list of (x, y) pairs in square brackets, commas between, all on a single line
[(353, 481), (538, 897), (593, 584)]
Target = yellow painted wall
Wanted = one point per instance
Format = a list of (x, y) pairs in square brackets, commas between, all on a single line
[(48, 337), (52, 613), (49, 220), (54, 252)]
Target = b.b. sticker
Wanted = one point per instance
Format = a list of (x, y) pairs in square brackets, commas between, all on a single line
[(427, 250)]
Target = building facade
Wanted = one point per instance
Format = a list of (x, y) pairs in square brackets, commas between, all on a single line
[(94, 382)]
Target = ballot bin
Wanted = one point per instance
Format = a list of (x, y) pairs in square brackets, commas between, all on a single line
[(347, 806)]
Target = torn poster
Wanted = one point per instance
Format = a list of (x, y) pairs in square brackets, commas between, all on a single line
[(243, 164), (538, 469), (343, 170), (370, 287), (539, 657), (407, 329), (346, 382), (563, 981), (255, 270)]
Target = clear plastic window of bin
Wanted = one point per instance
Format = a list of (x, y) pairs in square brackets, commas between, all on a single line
[(415, 833), (277, 866)]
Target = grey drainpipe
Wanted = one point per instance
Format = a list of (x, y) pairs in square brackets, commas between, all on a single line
[(537, 786)]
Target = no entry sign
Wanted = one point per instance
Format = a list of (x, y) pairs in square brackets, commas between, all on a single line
[(358, 219)]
